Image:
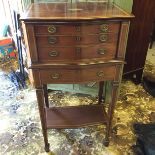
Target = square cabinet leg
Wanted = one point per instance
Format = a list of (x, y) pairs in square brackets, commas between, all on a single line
[(40, 98), (46, 95), (100, 92), (111, 107)]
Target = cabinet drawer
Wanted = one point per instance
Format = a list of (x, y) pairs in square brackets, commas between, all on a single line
[(104, 51), (77, 29), (48, 41), (78, 75)]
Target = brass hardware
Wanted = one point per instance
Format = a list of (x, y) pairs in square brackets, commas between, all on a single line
[(55, 76), (78, 50), (78, 38), (101, 51), (53, 53), (52, 29), (103, 37), (104, 27), (52, 40), (100, 74), (78, 28)]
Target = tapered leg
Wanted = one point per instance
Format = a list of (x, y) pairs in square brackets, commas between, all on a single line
[(114, 93), (46, 95), (100, 92), (40, 98)]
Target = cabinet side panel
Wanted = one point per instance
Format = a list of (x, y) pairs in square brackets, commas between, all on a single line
[(37, 79), (31, 43), (123, 40)]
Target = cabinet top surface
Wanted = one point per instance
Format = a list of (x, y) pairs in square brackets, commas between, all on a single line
[(75, 11)]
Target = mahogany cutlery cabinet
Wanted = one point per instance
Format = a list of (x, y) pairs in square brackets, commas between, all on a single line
[(73, 44)]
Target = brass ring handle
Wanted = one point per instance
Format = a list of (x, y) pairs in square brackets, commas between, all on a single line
[(53, 53), (101, 51), (55, 76), (52, 40), (52, 29), (104, 27), (100, 74), (103, 37)]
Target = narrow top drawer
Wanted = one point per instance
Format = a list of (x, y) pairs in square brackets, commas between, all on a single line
[(111, 27)]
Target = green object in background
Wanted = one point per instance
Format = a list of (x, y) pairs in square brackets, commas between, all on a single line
[(124, 4), (26, 3), (6, 30)]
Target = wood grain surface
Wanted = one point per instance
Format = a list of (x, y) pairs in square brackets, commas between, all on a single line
[(78, 11)]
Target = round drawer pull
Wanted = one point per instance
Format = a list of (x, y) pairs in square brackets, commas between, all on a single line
[(52, 29), (101, 51), (78, 28), (53, 53), (103, 38), (55, 76), (78, 50), (100, 74), (78, 38), (104, 27), (52, 40)]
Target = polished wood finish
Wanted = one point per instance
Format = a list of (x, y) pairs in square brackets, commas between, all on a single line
[(78, 29), (105, 51), (111, 107), (40, 99), (77, 44), (97, 73), (123, 40), (138, 40), (94, 11), (49, 41), (75, 64), (32, 47), (68, 117)]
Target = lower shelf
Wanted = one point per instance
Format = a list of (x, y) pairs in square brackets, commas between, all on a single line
[(75, 116)]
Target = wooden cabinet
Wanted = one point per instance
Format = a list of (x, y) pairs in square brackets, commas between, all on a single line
[(80, 45), (138, 40)]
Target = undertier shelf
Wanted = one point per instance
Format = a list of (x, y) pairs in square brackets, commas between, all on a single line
[(75, 116)]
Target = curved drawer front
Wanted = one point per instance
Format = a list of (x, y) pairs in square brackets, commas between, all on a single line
[(77, 28), (49, 41), (104, 51), (86, 74)]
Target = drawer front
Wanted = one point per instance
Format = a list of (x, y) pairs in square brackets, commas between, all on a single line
[(58, 75), (104, 51), (98, 73), (48, 41), (77, 29), (86, 74)]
